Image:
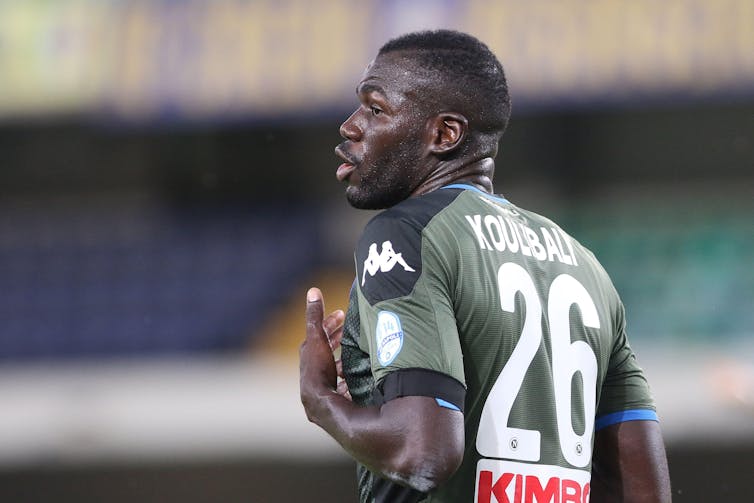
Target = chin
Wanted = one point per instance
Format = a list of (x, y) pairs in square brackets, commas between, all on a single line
[(356, 199), (363, 200)]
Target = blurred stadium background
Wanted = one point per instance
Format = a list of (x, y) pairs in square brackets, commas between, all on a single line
[(167, 193)]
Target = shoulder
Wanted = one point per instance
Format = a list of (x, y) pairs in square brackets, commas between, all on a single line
[(415, 212), (388, 254)]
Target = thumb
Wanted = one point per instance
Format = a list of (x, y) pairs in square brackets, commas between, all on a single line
[(315, 312)]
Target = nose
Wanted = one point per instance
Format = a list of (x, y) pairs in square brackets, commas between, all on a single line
[(350, 130)]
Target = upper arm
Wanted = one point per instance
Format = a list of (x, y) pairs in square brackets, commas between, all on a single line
[(625, 387), (629, 464)]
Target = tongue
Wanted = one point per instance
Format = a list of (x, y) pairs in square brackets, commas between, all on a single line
[(344, 170)]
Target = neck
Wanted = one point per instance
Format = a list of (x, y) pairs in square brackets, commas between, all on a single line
[(478, 173)]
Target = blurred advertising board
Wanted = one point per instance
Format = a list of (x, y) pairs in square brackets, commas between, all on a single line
[(153, 60)]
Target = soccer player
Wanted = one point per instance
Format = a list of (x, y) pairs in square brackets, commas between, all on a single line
[(484, 349)]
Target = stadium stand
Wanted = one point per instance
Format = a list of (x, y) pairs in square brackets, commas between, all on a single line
[(120, 280)]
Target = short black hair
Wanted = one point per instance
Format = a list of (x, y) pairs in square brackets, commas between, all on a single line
[(472, 77)]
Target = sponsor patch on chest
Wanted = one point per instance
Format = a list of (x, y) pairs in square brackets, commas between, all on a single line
[(389, 337), (500, 481)]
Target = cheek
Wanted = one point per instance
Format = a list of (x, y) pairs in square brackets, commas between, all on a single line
[(382, 133), (390, 139), (376, 145)]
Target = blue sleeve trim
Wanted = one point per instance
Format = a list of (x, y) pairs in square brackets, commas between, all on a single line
[(446, 404), (623, 416)]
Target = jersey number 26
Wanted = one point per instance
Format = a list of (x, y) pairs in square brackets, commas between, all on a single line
[(495, 439)]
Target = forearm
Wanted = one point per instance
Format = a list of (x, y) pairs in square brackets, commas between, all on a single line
[(393, 440), (410, 440), (356, 429)]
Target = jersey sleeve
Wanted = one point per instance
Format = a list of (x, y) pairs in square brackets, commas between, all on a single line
[(625, 392), (406, 312)]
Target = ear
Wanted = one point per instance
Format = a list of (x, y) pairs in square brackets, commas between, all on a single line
[(447, 131)]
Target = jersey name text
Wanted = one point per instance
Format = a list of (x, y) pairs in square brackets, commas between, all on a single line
[(495, 232)]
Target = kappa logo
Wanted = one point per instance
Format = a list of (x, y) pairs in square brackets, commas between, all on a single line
[(383, 261)]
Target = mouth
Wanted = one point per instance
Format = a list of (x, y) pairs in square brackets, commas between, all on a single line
[(347, 168)]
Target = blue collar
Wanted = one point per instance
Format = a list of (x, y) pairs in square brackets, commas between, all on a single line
[(466, 186)]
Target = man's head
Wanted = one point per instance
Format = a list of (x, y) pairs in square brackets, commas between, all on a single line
[(427, 98)]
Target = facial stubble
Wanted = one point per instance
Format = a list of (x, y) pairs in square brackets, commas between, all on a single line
[(390, 179)]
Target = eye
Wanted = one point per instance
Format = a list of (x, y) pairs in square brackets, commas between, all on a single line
[(375, 110)]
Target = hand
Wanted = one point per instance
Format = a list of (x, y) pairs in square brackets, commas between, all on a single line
[(333, 325), (317, 367)]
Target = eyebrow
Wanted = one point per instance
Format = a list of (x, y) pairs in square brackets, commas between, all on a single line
[(366, 88)]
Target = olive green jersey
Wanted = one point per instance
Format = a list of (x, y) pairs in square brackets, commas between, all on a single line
[(497, 312)]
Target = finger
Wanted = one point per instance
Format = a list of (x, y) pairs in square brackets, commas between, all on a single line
[(339, 368), (335, 338), (314, 313), (334, 321), (342, 389)]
